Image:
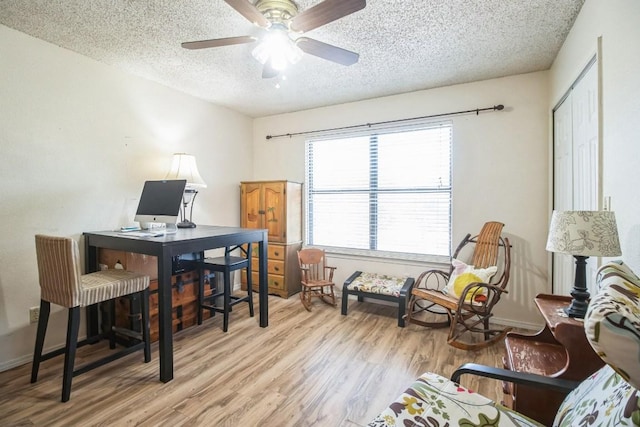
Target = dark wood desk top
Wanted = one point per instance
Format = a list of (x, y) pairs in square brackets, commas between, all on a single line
[(184, 240), (165, 247)]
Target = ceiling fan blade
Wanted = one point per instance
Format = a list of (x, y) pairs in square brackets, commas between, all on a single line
[(268, 72), (203, 44), (325, 12), (249, 11), (327, 51)]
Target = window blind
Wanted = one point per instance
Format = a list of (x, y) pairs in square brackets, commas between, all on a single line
[(386, 191)]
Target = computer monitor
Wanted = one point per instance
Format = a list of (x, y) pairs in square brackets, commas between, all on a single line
[(160, 201)]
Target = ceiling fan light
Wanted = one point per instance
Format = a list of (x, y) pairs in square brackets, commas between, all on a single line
[(261, 53), (278, 48)]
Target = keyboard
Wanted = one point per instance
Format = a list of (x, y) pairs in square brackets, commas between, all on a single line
[(144, 233)]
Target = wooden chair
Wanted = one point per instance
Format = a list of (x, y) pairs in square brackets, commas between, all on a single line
[(61, 283), (317, 277), (472, 309)]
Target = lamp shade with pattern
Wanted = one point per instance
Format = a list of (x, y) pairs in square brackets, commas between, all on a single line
[(583, 234)]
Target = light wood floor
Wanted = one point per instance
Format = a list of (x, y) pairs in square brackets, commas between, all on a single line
[(305, 369)]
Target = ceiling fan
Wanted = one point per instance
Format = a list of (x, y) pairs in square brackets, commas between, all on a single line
[(281, 19)]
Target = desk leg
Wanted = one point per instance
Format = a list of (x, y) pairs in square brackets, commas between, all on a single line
[(165, 330), (263, 286), (91, 265)]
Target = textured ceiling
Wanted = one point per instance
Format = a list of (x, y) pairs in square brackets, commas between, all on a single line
[(404, 45)]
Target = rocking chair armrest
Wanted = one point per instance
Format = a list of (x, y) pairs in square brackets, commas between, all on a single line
[(524, 378), (331, 270), (442, 277), (437, 272), (472, 287)]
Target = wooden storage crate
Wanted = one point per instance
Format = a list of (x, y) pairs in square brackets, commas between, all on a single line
[(184, 293)]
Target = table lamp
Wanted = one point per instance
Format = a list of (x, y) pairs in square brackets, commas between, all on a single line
[(184, 167), (583, 234)]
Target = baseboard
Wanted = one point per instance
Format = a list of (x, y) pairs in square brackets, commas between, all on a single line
[(28, 358), (494, 320)]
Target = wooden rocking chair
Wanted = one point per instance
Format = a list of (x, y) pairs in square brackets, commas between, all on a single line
[(317, 277), (471, 311)]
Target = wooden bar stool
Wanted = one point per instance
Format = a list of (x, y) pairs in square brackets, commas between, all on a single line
[(225, 265), (62, 283)]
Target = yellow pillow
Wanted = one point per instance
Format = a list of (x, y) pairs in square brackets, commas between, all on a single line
[(463, 275)]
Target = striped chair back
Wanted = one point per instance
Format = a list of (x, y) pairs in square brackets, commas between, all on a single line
[(59, 270)]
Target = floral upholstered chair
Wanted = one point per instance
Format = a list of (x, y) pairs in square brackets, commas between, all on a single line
[(608, 397)]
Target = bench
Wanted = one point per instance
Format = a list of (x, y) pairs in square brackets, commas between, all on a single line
[(378, 286)]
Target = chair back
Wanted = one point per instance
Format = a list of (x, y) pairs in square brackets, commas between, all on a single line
[(612, 327), (58, 270), (312, 263), (245, 250), (489, 249)]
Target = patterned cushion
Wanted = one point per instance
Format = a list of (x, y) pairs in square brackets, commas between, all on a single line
[(378, 284), (603, 399), (612, 322), (464, 275), (433, 400)]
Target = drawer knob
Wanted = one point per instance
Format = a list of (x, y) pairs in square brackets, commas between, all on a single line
[(276, 268), (277, 253)]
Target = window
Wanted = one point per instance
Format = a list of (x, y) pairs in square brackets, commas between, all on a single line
[(381, 192)]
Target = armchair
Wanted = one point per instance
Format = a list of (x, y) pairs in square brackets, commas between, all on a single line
[(607, 397)]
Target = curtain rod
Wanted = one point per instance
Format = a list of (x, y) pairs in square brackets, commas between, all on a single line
[(477, 111)]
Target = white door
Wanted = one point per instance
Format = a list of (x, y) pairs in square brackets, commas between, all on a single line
[(563, 264), (576, 166)]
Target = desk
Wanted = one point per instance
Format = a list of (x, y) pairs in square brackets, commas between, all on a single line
[(185, 240), (560, 349)]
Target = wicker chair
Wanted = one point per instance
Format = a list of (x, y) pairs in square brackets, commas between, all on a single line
[(61, 283), (317, 277), (469, 307)]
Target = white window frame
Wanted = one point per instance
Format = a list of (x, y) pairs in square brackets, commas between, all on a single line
[(371, 133)]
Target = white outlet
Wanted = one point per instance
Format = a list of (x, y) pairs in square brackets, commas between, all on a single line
[(34, 314)]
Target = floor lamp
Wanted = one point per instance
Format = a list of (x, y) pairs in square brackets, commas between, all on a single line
[(184, 167), (583, 234)]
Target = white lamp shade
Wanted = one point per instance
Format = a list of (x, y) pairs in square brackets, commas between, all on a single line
[(278, 48), (184, 167), (584, 233)]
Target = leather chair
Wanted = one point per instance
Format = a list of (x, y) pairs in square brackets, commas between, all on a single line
[(63, 284)]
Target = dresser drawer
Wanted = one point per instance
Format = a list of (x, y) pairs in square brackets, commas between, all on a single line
[(273, 252), (274, 281), (273, 266)]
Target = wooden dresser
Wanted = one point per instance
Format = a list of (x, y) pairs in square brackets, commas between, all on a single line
[(559, 350), (276, 206)]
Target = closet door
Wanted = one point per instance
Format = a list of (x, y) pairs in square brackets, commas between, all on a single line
[(563, 265), (576, 166), (585, 154)]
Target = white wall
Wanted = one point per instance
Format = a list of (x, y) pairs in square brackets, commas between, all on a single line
[(500, 163), (77, 141), (617, 22)]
